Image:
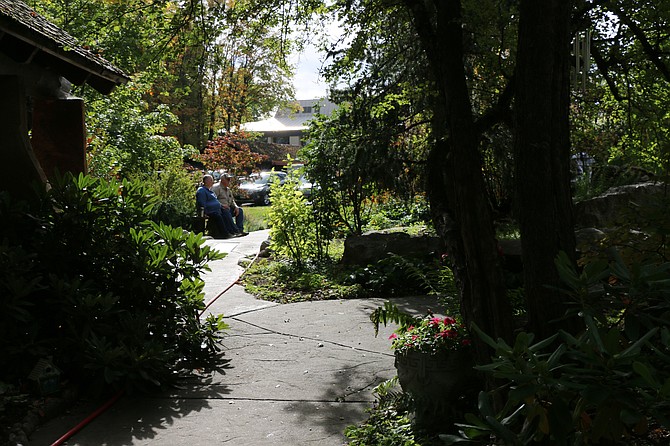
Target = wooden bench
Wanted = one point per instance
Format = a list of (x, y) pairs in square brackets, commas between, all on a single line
[(199, 221)]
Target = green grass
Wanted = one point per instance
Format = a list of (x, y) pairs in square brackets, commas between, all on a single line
[(255, 218)]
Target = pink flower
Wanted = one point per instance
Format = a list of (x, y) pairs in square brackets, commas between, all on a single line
[(431, 333), (466, 342)]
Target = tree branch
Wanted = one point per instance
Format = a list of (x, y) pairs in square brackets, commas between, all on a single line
[(603, 66), (500, 112), (653, 54)]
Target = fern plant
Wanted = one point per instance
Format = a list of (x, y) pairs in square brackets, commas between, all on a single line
[(389, 422), (390, 313)]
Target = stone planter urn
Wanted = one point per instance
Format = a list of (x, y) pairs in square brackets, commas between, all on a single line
[(435, 381)]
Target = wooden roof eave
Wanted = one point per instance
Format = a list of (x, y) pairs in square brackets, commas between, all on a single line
[(27, 46)]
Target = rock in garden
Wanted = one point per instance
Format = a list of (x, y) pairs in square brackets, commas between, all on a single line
[(373, 246)]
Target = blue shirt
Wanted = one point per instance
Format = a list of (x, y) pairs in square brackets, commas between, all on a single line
[(206, 199)]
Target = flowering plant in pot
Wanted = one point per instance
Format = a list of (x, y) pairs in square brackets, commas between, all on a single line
[(434, 362), (430, 334)]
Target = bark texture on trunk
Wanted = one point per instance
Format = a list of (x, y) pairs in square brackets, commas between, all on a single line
[(542, 148), (459, 202)]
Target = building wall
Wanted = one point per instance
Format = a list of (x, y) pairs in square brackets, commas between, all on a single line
[(57, 142), (19, 170), (288, 124), (59, 135)]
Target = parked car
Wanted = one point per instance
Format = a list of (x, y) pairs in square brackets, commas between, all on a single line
[(305, 186), (216, 174), (258, 191)]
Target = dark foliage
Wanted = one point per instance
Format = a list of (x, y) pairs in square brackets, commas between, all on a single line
[(90, 281)]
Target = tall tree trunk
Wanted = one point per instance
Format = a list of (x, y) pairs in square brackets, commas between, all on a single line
[(542, 149), (459, 203)]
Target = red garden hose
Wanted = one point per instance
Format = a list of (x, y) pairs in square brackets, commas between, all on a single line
[(120, 393), (88, 419)]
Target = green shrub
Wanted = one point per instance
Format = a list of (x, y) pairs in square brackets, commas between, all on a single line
[(387, 277), (285, 282), (21, 280), (608, 385), (400, 276), (292, 232), (127, 137), (391, 211), (92, 281), (389, 423), (175, 189)]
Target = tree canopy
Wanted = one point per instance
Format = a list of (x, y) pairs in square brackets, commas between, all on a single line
[(494, 88), (214, 64), (480, 103)]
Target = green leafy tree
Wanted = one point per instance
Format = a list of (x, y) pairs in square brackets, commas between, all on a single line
[(542, 154), (480, 56), (432, 33), (371, 144), (621, 110), (332, 164), (475, 69), (133, 34), (248, 75), (127, 139), (213, 64)]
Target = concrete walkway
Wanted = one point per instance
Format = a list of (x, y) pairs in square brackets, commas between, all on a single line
[(298, 374)]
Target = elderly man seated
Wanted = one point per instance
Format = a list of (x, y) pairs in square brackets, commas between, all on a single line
[(206, 200), (233, 216)]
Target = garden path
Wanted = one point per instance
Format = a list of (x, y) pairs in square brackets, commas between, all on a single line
[(298, 374)]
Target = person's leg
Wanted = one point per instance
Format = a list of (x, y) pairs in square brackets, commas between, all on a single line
[(239, 220), (220, 225), (228, 220)]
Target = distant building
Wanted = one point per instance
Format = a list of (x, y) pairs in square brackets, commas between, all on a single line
[(289, 124)]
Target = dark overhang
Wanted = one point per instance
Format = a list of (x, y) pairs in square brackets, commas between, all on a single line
[(28, 38)]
